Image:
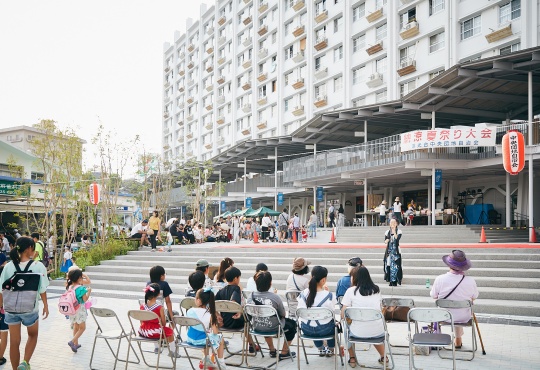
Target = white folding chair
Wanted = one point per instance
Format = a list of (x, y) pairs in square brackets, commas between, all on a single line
[(358, 314), (246, 294), (139, 315), (316, 314), (187, 322), (114, 334), (186, 304), (429, 315), (449, 305), (397, 302), (292, 302), (263, 313)]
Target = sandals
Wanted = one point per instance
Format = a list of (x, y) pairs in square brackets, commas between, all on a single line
[(381, 360), (329, 352), (352, 362), (273, 353)]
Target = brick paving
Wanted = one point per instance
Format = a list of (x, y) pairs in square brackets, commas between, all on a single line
[(507, 346)]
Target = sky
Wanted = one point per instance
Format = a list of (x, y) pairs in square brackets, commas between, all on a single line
[(82, 63)]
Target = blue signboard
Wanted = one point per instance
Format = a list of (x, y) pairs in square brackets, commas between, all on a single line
[(223, 206), (202, 207), (280, 199), (320, 194), (438, 179), (248, 202)]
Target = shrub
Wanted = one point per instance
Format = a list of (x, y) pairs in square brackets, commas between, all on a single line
[(98, 253)]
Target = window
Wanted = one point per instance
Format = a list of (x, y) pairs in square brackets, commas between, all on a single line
[(289, 52), (338, 83), (407, 87), (288, 4), (286, 104), (338, 24), (358, 75), (471, 27), (320, 6), (262, 91), (380, 32), (436, 42), (274, 37), (379, 3), (338, 53), (288, 27), (380, 65), (432, 75), (380, 97), (320, 90), (358, 12), (318, 63), (408, 17), (320, 33), (435, 6), (509, 11), (274, 86), (510, 49), (359, 102), (359, 43)]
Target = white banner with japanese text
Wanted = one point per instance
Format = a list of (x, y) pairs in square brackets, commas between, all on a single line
[(448, 138)]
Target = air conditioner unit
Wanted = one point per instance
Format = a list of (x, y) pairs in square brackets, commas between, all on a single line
[(410, 25), (375, 76), (220, 140), (407, 62)]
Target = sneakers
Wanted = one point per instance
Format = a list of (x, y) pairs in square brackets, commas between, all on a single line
[(24, 366), (285, 356), (329, 352), (2, 361), (252, 349), (322, 352), (72, 345)]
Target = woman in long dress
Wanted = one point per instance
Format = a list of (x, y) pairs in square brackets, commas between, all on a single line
[(236, 229), (392, 257)]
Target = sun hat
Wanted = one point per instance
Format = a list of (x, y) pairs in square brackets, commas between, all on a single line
[(300, 263), (202, 263), (355, 261), (383, 202), (457, 261)]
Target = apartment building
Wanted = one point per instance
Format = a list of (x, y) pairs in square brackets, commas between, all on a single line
[(251, 69)]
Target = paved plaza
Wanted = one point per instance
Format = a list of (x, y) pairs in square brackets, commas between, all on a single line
[(507, 346)]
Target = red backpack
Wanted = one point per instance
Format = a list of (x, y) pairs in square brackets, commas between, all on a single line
[(68, 303)]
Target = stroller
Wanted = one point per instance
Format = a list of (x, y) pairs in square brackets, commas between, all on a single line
[(272, 236)]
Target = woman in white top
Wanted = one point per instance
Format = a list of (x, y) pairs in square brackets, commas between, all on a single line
[(265, 223), (299, 279), (312, 225), (236, 229), (363, 293), (317, 295)]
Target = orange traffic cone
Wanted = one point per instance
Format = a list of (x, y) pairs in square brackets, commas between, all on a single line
[(483, 236), (255, 237), (533, 235), (332, 237), (294, 237)]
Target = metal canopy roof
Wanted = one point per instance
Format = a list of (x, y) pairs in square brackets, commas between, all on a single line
[(489, 90)]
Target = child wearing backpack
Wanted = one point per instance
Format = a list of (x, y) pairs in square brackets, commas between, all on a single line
[(72, 304), (34, 275)]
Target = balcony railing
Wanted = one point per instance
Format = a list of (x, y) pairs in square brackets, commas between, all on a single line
[(266, 181), (387, 151)]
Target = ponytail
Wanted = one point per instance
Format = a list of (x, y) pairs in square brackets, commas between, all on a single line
[(151, 291), (22, 244), (206, 296), (73, 276), (317, 274)]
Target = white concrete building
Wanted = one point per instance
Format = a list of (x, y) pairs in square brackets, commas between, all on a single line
[(251, 69)]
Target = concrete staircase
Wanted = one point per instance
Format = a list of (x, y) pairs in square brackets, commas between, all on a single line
[(411, 234), (499, 234), (508, 279)]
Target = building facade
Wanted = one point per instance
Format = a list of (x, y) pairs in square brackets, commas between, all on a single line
[(251, 69)]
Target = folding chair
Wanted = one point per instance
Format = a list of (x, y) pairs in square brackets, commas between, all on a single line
[(116, 334), (264, 313), (397, 302), (353, 314), (292, 302), (139, 315), (187, 322), (451, 304), (186, 304), (316, 314), (246, 294), (429, 315)]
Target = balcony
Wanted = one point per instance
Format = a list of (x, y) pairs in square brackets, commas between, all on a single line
[(210, 30), (263, 52), (191, 47), (298, 4), (374, 80), (220, 99), (262, 125), (262, 100), (320, 101), (222, 40), (220, 140), (167, 69), (246, 108), (210, 50), (208, 145), (190, 99), (247, 20), (166, 146), (407, 65), (221, 80), (321, 43), (321, 72), (191, 65), (191, 82), (246, 85), (321, 16), (298, 57), (246, 64), (411, 29), (209, 67), (190, 117), (189, 135), (375, 48), (181, 55), (180, 122), (181, 89), (166, 114), (263, 7), (263, 30), (262, 76), (220, 120), (298, 110), (247, 41), (246, 131), (181, 72), (180, 139), (298, 84), (209, 107), (299, 30), (180, 104), (221, 60), (208, 125), (375, 15), (499, 34), (221, 21), (167, 84)]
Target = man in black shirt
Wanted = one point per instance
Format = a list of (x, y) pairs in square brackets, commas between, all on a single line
[(231, 292)]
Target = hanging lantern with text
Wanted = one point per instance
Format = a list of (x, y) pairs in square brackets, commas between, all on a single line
[(513, 150), (94, 193)]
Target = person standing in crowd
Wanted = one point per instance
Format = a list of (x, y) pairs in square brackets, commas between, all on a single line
[(16, 234), (392, 257), (283, 222), (4, 328), (38, 248), (458, 287), (5, 243), (236, 229), (461, 212), (341, 216), (154, 223), (296, 225), (312, 225), (265, 224), (382, 213), (331, 216), (397, 209)]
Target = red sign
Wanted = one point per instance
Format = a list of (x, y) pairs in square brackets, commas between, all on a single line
[(513, 149), (94, 193)]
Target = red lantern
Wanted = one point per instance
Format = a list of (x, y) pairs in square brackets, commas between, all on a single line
[(513, 149), (94, 193)]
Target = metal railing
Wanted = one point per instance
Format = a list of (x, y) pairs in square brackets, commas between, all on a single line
[(266, 181), (387, 151)]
